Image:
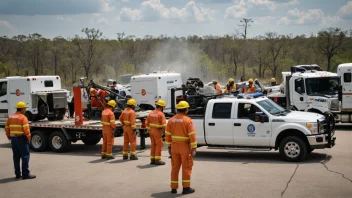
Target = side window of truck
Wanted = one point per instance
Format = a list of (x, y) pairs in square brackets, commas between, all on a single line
[(299, 86), (246, 109), (48, 83), (222, 110), (347, 77), (3, 88)]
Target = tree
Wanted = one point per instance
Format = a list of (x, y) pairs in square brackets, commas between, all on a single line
[(87, 50), (329, 42), (275, 44), (246, 23)]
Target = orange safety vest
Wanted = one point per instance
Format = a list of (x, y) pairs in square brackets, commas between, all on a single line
[(108, 119), (218, 89), (17, 125), (128, 117), (180, 129), (251, 90), (155, 119)]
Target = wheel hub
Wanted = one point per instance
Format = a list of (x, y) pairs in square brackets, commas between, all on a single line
[(36, 141), (292, 149), (57, 142)]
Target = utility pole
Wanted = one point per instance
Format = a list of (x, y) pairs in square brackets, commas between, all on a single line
[(246, 23)]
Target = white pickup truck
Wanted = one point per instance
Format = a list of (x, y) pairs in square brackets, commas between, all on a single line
[(259, 123)]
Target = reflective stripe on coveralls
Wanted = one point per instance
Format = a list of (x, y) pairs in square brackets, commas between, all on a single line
[(156, 122), (128, 118), (109, 125), (181, 136)]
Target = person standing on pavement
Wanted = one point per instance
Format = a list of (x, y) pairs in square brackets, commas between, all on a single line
[(156, 122), (182, 145), (17, 131), (109, 125), (128, 119)]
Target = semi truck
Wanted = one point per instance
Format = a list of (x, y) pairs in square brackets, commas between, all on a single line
[(308, 88)]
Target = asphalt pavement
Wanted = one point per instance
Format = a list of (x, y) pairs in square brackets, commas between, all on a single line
[(216, 173)]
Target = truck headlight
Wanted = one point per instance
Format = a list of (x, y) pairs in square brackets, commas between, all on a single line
[(313, 127)]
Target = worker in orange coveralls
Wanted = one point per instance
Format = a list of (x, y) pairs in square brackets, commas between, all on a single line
[(251, 89), (156, 122), (98, 98), (217, 87), (128, 119), (182, 144), (109, 125)]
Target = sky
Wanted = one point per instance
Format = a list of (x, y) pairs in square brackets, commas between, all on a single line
[(66, 18)]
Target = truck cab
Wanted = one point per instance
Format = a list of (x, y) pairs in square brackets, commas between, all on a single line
[(261, 123)]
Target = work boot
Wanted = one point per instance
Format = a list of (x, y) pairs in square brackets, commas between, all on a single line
[(103, 157), (159, 163), (188, 191), (125, 158), (29, 176), (173, 191), (152, 161), (18, 177), (133, 158), (110, 157)]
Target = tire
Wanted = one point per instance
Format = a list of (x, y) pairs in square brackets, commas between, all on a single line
[(118, 133), (91, 139), (58, 142), (310, 150), (39, 141), (299, 149)]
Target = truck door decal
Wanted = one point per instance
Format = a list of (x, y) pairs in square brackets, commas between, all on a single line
[(251, 128), (143, 92)]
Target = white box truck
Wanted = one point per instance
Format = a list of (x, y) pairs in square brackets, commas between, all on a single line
[(147, 88)]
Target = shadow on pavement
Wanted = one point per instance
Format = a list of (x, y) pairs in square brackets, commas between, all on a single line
[(97, 161), (118, 161), (254, 157), (6, 145), (165, 194), (146, 166), (8, 180)]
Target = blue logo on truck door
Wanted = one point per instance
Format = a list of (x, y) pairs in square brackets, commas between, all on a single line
[(251, 128)]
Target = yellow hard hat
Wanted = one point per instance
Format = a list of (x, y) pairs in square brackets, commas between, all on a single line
[(182, 105), (231, 80), (250, 80), (273, 80), (21, 105), (132, 102), (161, 103), (112, 103)]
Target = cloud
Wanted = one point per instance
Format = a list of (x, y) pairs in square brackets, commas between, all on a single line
[(264, 20), (54, 7), (154, 10), (296, 17), (216, 1), (345, 11), (60, 18), (236, 11), (5, 24), (103, 21)]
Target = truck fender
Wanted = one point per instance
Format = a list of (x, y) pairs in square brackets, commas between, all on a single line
[(288, 127)]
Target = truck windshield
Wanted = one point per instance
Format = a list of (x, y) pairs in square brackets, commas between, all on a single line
[(322, 86), (271, 107)]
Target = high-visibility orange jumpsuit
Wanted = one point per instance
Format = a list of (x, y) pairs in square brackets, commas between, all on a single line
[(128, 118), (181, 136), (99, 100), (249, 90), (109, 125), (218, 89), (156, 122)]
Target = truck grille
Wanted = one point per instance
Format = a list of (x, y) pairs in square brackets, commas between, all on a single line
[(335, 106)]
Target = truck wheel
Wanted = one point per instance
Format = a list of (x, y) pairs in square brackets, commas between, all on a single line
[(310, 150), (91, 139), (293, 149), (58, 142), (39, 141)]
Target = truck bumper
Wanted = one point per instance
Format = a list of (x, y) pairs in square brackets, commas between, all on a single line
[(321, 141)]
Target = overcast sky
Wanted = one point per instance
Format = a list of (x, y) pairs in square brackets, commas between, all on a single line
[(66, 18)]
